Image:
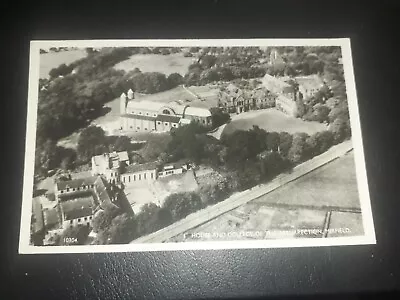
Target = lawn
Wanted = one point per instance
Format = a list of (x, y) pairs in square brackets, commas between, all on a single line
[(52, 60), (271, 120), (332, 185), (166, 64)]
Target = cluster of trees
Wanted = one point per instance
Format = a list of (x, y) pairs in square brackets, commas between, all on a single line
[(151, 82), (202, 73), (69, 102), (113, 226), (92, 141), (74, 95)]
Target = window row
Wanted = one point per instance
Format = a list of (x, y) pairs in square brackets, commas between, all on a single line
[(80, 219), (85, 187)]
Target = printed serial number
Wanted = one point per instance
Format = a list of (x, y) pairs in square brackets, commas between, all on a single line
[(70, 240)]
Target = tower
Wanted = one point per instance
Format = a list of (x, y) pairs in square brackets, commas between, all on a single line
[(122, 104), (130, 94)]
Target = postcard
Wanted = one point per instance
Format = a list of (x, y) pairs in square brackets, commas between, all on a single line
[(153, 145)]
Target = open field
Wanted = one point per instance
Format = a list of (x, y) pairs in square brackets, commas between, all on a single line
[(52, 60), (271, 120), (167, 64), (143, 192), (179, 183), (332, 185), (297, 209), (197, 96)]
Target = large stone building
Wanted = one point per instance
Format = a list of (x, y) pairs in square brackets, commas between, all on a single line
[(141, 115), (235, 100), (76, 203), (301, 87), (285, 94), (116, 168), (110, 165)]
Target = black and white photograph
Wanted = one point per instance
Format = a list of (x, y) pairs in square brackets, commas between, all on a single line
[(147, 145)]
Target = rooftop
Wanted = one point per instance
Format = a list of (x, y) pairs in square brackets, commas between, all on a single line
[(275, 85), (310, 82), (101, 192), (75, 183), (197, 111), (192, 95), (141, 167), (145, 104), (77, 208)]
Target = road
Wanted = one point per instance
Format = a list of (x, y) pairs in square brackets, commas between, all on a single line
[(238, 199)]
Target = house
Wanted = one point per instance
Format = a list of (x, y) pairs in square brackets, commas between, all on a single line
[(78, 201), (140, 172), (109, 164), (174, 168), (309, 85), (233, 100), (141, 115), (278, 86)]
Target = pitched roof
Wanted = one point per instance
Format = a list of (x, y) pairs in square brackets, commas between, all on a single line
[(75, 183), (142, 167), (310, 82), (197, 111), (145, 105), (78, 208), (100, 188), (276, 85), (168, 118)]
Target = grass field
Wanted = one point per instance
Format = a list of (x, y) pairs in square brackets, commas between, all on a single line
[(299, 205), (333, 185), (52, 60), (166, 64), (271, 120)]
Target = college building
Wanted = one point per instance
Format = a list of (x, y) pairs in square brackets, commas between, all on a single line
[(76, 203), (141, 115)]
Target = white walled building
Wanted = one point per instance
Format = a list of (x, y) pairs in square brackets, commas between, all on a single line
[(141, 115), (108, 165)]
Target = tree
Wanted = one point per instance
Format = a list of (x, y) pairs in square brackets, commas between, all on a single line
[(61, 70), (285, 143), (102, 220), (301, 109), (340, 129), (182, 204), (122, 143), (273, 141), (46, 156), (219, 117), (207, 61), (174, 80), (123, 229), (321, 113), (152, 218), (272, 164), (319, 142), (298, 150), (249, 175), (92, 141)]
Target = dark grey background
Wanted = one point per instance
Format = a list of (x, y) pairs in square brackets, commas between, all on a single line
[(325, 271)]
